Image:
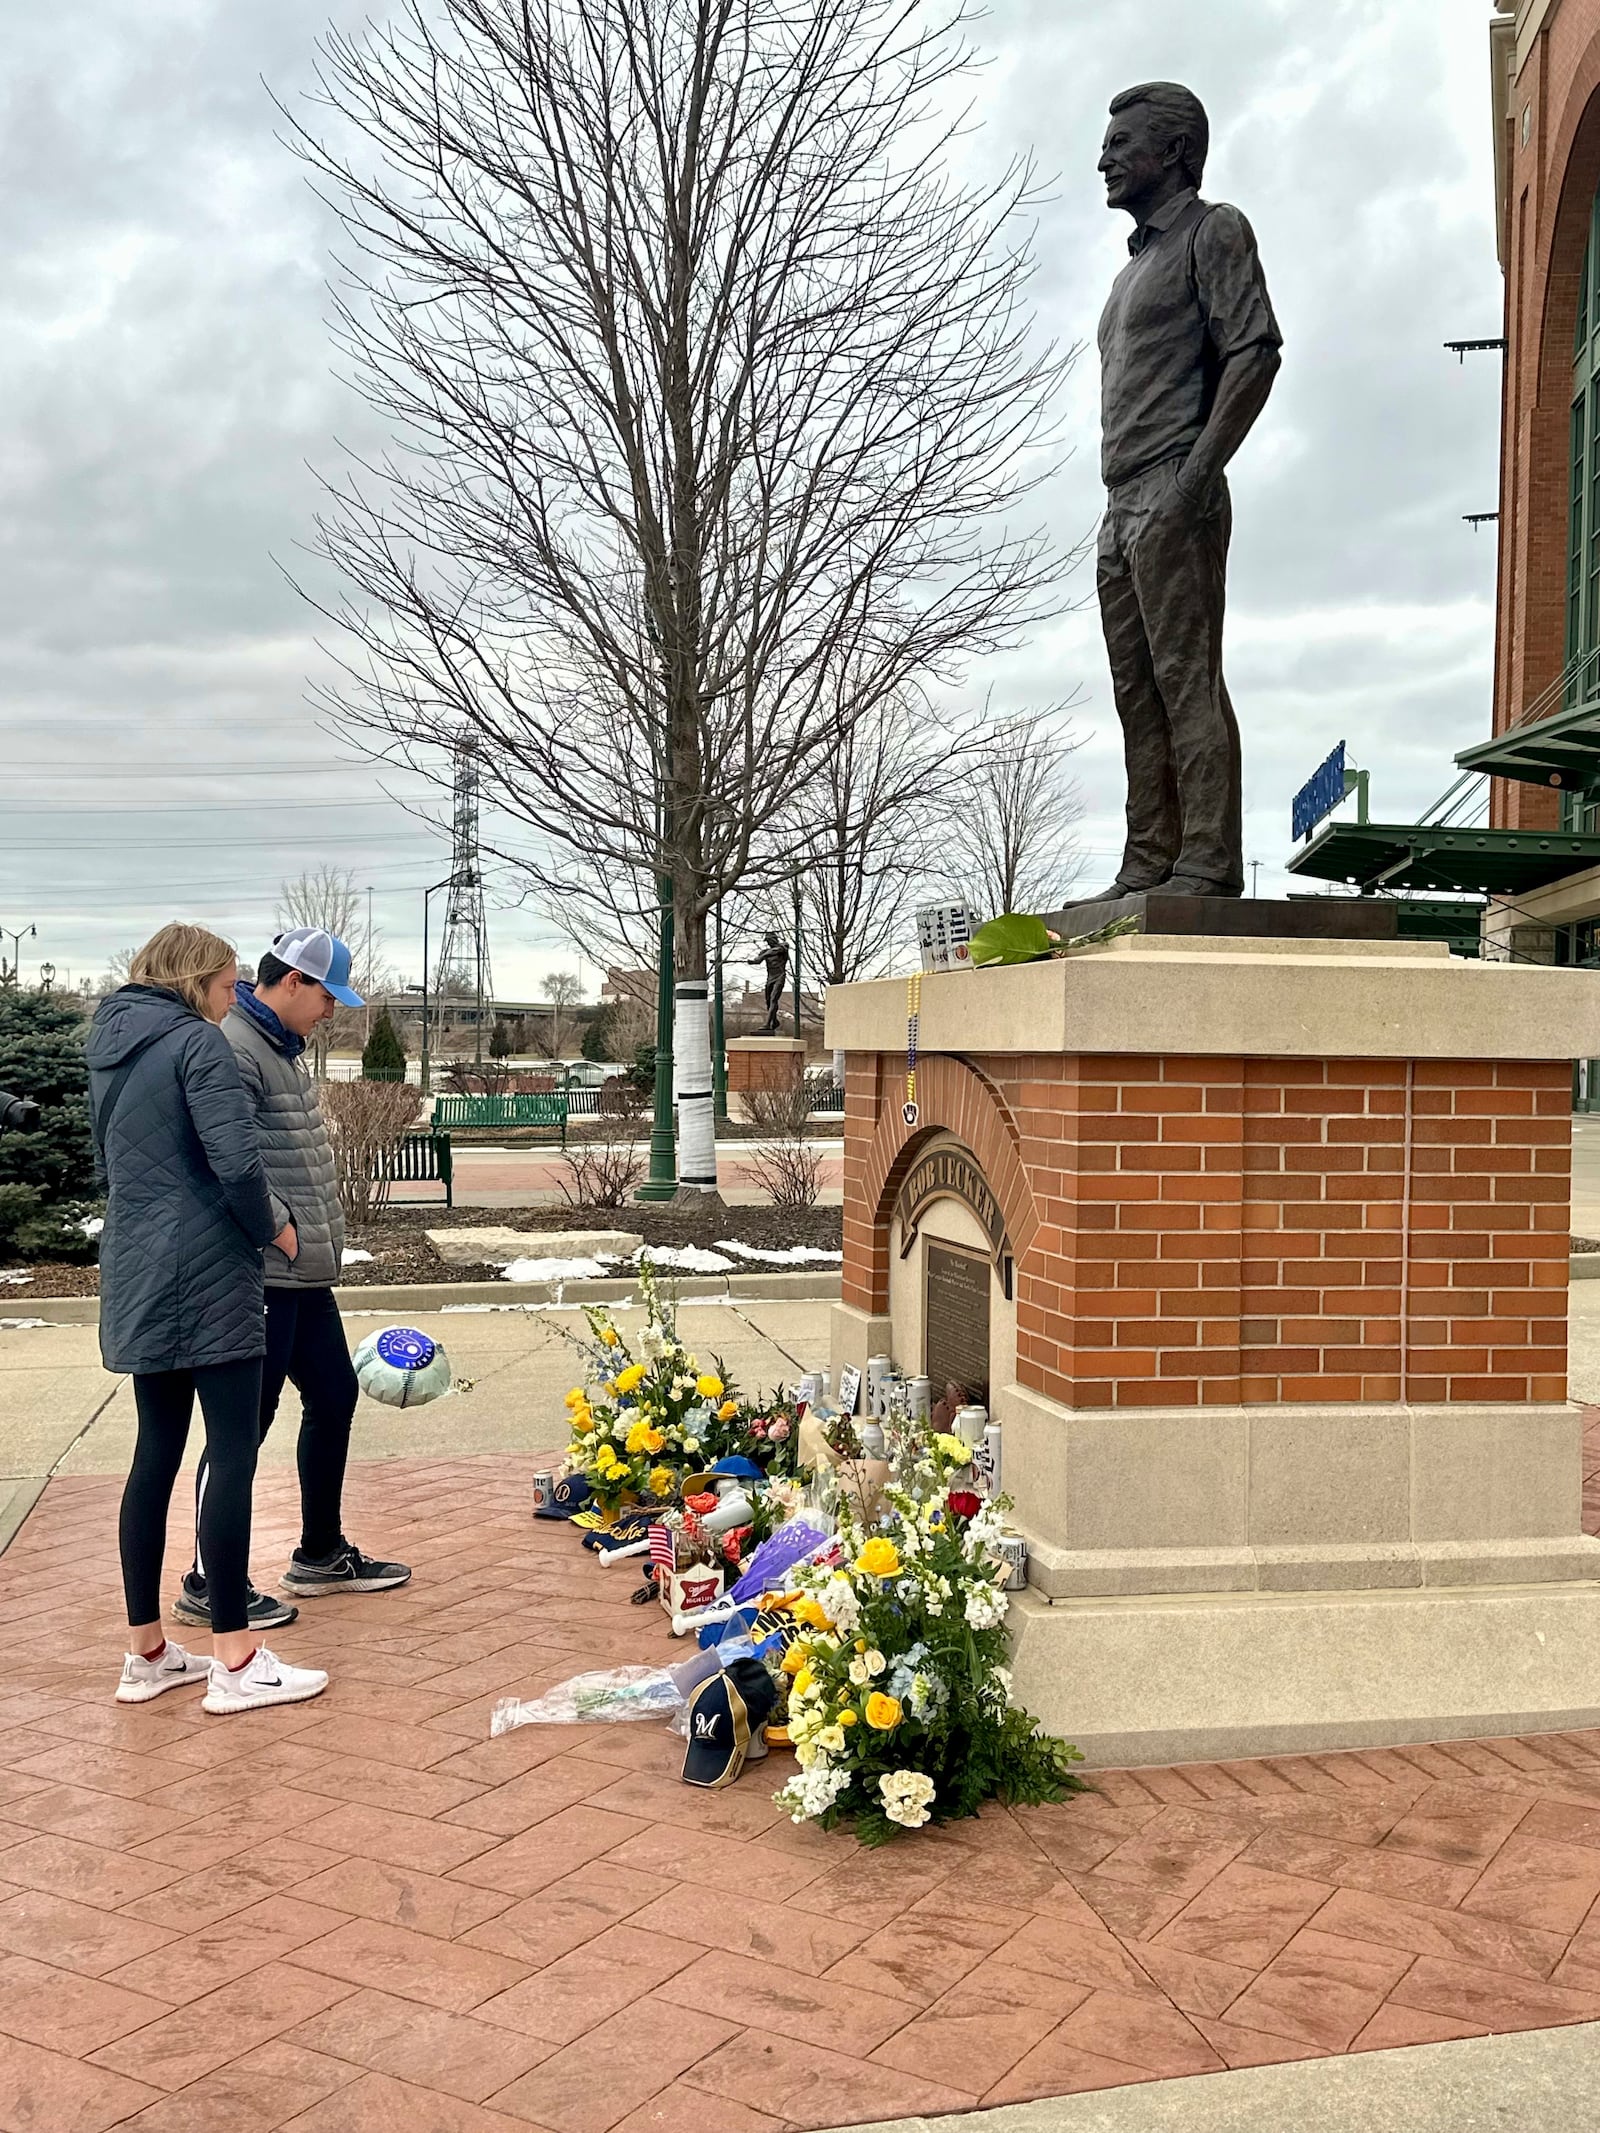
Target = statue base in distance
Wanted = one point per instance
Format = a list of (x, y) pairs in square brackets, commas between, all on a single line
[(1302, 918)]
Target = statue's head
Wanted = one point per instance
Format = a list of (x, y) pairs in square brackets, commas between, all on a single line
[(1155, 145), (774, 940)]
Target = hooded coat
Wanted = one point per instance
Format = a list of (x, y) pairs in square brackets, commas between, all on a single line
[(188, 1213)]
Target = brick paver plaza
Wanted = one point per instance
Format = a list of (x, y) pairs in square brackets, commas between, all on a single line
[(363, 1913)]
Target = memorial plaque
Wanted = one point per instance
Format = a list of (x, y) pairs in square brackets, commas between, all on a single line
[(956, 1320)]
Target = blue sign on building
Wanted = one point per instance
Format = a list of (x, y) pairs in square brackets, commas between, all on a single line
[(1320, 794)]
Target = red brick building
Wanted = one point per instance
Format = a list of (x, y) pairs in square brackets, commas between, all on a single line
[(1545, 57)]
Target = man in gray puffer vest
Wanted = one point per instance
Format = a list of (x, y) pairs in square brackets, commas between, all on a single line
[(298, 986)]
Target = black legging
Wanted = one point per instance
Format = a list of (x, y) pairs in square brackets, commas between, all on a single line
[(306, 1349), (230, 1401)]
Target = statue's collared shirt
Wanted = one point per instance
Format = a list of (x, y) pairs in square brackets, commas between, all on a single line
[(1191, 296)]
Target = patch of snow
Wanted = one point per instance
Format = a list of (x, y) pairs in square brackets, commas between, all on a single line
[(553, 1270), (92, 1225), (19, 1281), (794, 1255), (687, 1258), (355, 1258), (21, 1325)]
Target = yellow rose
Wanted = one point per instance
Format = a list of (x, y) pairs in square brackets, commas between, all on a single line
[(883, 1712), (577, 1397), (584, 1423), (627, 1380), (803, 1678), (812, 1613), (610, 1336), (639, 1438), (794, 1659), (847, 1718), (709, 1387), (879, 1558), (727, 1411), (654, 1442)]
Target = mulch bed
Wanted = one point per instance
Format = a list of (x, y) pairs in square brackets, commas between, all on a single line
[(402, 1252)]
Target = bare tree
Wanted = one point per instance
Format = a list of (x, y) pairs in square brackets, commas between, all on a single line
[(864, 834), (564, 990), (115, 974), (711, 383), (330, 897), (1011, 841)]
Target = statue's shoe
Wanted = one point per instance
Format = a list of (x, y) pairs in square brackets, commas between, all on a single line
[(1193, 885), (1120, 888)]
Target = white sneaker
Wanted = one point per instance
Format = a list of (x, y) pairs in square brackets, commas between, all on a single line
[(172, 1668), (262, 1680)]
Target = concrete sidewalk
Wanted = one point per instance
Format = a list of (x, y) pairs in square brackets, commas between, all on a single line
[(61, 1413), (1544, 2081)]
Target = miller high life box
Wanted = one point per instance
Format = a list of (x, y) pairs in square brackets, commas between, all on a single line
[(687, 1592)]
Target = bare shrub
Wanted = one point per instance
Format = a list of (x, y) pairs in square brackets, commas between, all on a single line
[(366, 1122), (603, 1173), (621, 1098), (785, 1163)]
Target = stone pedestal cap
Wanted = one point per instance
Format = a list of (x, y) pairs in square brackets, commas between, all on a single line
[(1154, 993)]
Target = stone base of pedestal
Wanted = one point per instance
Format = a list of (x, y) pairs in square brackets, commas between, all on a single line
[(1257, 1249), (1208, 1677)]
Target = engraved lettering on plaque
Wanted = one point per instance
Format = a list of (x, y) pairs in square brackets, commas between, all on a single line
[(956, 1320), (948, 1171)]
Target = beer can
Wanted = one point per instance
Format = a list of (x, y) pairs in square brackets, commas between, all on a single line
[(808, 1388), (1013, 1551), (969, 1424), (543, 1488), (991, 1458), (879, 1367), (919, 1395)]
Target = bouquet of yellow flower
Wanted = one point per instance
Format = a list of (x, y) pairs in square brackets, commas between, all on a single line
[(900, 1706), (646, 1414)]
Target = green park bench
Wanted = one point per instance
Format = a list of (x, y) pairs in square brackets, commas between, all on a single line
[(545, 1111), (423, 1159)]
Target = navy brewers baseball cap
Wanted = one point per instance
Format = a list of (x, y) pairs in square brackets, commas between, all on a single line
[(316, 953)]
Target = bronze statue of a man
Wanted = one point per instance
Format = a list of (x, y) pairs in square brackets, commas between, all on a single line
[(1188, 350)]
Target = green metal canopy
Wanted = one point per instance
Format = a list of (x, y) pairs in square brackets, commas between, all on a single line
[(1563, 751), (1479, 862)]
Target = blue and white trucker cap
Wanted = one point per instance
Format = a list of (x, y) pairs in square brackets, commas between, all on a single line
[(318, 954)]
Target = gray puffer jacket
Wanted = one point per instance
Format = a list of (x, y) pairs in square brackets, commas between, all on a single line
[(187, 1209), (295, 1150)]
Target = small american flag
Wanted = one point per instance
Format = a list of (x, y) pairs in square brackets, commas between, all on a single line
[(663, 1546)]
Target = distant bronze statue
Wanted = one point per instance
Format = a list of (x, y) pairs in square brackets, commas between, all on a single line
[(1188, 351), (775, 956)]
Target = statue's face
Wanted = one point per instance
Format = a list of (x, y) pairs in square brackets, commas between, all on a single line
[(1134, 159)]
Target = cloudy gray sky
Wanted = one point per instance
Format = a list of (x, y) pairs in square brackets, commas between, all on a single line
[(166, 386)]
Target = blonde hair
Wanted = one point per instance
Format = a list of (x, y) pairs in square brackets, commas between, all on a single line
[(182, 959)]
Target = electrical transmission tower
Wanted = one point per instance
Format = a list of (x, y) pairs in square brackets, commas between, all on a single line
[(463, 972)]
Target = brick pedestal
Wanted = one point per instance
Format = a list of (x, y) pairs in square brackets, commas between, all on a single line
[(762, 1063), (1278, 1307)]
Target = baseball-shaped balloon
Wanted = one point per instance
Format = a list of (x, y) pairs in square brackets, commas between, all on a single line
[(402, 1368)]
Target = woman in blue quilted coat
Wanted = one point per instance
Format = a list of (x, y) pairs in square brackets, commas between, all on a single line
[(187, 1217)]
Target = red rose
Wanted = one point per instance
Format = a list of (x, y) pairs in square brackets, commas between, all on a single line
[(963, 1503)]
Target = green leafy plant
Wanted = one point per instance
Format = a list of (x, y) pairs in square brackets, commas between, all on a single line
[(1014, 937)]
